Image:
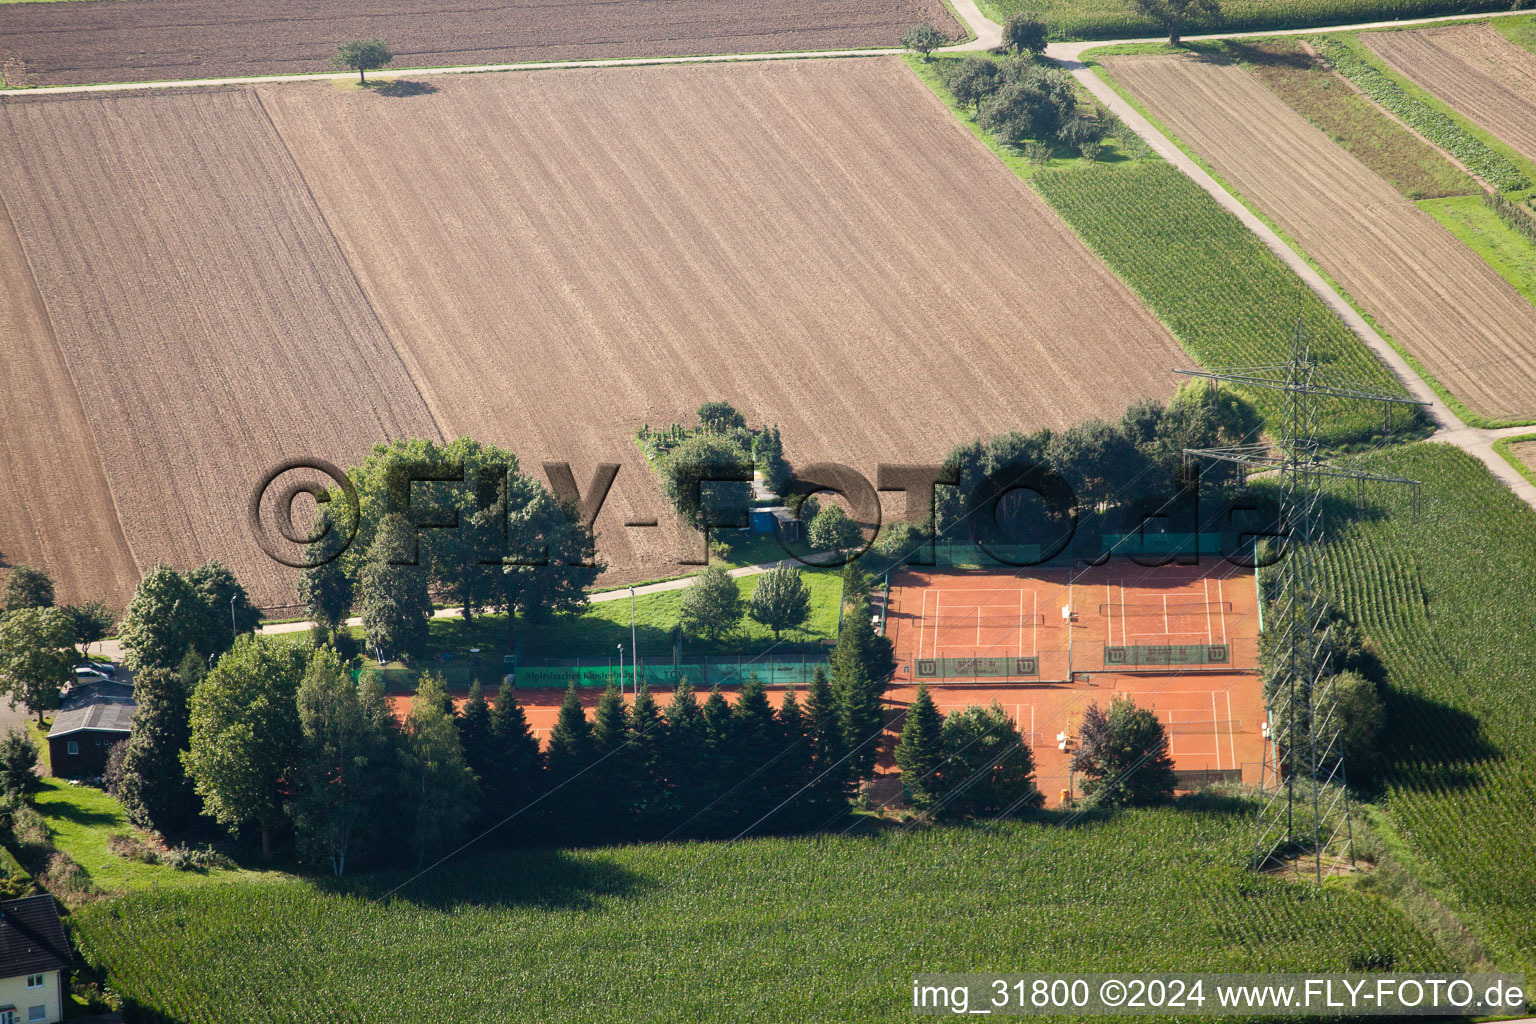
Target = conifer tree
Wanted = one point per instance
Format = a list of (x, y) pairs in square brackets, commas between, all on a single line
[(720, 769), (921, 749), (832, 779), (654, 803), (614, 774), (570, 756), (685, 756), (794, 768), (514, 774), (858, 702), (155, 790), (474, 724), (755, 744)]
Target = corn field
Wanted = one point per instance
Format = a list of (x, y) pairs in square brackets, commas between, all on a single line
[(1446, 599), (1226, 297), (811, 929)]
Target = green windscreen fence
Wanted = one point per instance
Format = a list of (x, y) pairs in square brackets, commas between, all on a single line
[(975, 668), (1144, 656), (701, 674)]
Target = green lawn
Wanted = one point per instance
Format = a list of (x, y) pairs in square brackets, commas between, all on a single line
[(824, 929), (1520, 31), (81, 819), (1114, 19), (598, 631), (1501, 247), (1411, 165), (1506, 449)]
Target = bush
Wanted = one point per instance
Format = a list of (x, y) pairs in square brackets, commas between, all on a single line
[(112, 774), (201, 859), (64, 878), (129, 848), (18, 765), (987, 767)]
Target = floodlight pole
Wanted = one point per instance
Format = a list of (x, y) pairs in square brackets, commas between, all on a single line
[(233, 628), (621, 668), (634, 647), (1303, 793)]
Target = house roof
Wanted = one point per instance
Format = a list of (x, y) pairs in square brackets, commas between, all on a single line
[(101, 706), (32, 937)]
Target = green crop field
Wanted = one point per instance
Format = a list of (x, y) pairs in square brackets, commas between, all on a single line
[(1411, 165), (1445, 599), (1501, 246), (1480, 153), (1226, 297), (763, 930), (1114, 19)]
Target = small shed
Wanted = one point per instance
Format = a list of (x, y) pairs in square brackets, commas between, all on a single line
[(91, 717)]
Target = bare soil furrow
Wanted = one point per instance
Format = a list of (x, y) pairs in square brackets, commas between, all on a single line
[(1476, 71), (205, 312), (1435, 297), (563, 257), (152, 40)]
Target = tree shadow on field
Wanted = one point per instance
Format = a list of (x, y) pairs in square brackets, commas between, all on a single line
[(544, 878), (1431, 747), (403, 87)]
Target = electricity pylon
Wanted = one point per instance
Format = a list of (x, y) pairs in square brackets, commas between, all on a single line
[(1303, 799)]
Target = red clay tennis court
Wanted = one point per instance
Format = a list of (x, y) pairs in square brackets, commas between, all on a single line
[(1180, 640), (1053, 625)]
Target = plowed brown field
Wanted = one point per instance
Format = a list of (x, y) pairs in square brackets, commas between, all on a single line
[(210, 323), (1525, 452), (564, 256), (55, 507), (1454, 313), (1475, 70), (146, 40)]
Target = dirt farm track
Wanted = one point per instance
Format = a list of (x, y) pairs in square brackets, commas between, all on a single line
[(545, 262), (89, 41), (1434, 296)]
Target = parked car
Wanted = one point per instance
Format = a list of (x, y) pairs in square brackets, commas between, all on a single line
[(85, 673)]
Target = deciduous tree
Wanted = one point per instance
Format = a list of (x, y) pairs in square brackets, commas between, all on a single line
[(340, 782), (987, 767), (165, 619), (1024, 32), (246, 737), (396, 605), (27, 587), (18, 766), (227, 608), (712, 606), (781, 601), (362, 55), (37, 657), (1175, 15), (833, 530), (1122, 755), (439, 788), (924, 39), (93, 622)]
